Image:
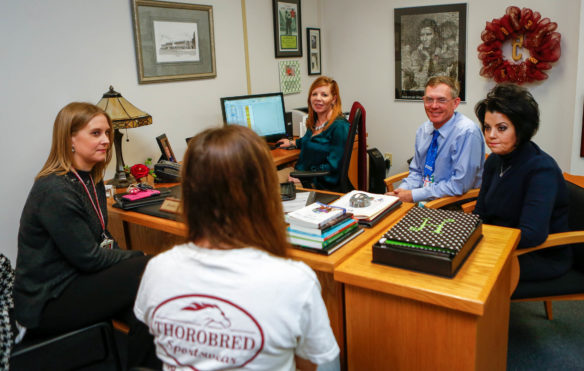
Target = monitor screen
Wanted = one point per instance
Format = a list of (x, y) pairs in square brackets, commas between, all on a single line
[(263, 113)]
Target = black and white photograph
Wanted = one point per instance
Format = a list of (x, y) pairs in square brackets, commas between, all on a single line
[(287, 26), (176, 42), (429, 41), (314, 55)]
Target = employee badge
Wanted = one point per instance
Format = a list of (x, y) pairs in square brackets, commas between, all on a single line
[(107, 243)]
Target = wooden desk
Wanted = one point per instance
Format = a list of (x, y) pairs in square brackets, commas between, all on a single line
[(285, 156), (153, 235), (402, 320)]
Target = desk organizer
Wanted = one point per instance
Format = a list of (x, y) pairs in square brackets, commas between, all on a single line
[(429, 241)]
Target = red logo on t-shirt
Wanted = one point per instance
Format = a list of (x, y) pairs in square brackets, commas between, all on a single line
[(204, 332)]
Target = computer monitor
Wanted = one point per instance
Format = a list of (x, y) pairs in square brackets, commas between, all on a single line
[(263, 113)]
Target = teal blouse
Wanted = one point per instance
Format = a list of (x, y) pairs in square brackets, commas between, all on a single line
[(324, 152)]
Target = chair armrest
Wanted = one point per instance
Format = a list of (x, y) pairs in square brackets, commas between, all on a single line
[(394, 179), (308, 173), (556, 239), (441, 202), (468, 207)]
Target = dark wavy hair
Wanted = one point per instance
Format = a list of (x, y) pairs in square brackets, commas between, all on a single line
[(517, 104), (231, 193)]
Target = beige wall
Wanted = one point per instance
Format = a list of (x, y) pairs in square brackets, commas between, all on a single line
[(360, 51)]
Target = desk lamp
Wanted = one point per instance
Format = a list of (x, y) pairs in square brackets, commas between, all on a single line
[(124, 115)]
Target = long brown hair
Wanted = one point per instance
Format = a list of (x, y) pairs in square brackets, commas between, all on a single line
[(230, 191), (70, 119), (337, 110)]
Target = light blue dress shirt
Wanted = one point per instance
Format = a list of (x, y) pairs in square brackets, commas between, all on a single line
[(459, 161)]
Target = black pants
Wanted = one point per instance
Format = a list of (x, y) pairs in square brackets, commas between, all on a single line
[(94, 297), (545, 264)]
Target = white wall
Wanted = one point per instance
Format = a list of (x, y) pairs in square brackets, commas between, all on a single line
[(55, 52), (360, 37), (60, 51)]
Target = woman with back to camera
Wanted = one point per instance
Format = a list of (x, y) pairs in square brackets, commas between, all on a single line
[(523, 186), (323, 144), (68, 268), (229, 298)]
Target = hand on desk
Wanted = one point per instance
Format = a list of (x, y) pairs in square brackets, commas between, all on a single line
[(405, 195), (285, 143)]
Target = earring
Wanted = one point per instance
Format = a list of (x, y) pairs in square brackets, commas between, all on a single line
[(73, 149)]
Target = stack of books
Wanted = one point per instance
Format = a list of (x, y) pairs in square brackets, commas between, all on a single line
[(321, 228), (368, 208)]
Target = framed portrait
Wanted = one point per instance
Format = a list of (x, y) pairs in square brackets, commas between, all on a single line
[(165, 148), (287, 26), (314, 56), (174, 41), (429, 41)]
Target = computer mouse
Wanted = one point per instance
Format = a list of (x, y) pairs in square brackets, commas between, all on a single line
[(360, 200)]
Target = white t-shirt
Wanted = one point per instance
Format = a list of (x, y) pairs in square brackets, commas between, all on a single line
[(233, 309)]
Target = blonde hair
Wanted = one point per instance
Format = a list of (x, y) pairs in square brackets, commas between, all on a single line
[(70, 119), (231, 193), (337, 110)]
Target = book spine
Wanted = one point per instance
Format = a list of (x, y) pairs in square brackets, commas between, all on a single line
[(294, 230)]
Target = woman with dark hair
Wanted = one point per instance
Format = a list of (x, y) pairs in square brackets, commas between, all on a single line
[(229, 298), (422, 61), (523, 186), (70, 273), (323, 145)]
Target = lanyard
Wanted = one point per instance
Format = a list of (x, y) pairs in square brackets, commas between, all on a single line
[(95, 208)]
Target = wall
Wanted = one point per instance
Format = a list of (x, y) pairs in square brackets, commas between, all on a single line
[(72, 50), (361, 55)]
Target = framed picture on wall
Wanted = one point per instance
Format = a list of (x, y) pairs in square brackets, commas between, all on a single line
[(429, 41), (174, 41), (314, 56), (287, 26)]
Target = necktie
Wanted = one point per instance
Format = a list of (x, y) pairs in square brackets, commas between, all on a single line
[(431, 159)]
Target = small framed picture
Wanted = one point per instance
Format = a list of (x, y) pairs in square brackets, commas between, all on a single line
[(314, 56), (287, 28), (174, 41), (165, 148)]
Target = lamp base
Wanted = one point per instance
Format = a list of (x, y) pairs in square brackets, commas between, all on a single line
[(121, 180)]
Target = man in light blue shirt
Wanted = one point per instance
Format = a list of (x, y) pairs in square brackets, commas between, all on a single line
[(453, 164)]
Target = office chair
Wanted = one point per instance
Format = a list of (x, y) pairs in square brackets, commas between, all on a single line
[(90, 346), (570, 286), (356, 120)]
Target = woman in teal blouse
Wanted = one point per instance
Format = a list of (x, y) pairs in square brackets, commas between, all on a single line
[(322, 147)]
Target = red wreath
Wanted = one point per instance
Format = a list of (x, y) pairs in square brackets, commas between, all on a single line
[(538, 37)]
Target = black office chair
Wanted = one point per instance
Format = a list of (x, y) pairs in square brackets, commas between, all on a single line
[(570, 286), (92, 347), (357, 123)]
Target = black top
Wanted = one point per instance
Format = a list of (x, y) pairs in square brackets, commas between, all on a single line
[(526, 189), (59, 238)]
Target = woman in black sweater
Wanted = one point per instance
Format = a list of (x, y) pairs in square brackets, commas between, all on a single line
[(69, 272), (523, 186)]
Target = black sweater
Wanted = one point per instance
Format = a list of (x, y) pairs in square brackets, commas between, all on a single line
[(530, 195), (58, 239)]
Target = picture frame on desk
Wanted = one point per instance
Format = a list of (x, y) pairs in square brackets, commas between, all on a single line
[(314, 56), (287, 28), (174, 41), (165, 148), (429, 41)]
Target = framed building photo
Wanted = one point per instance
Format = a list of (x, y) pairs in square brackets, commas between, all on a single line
[(174, 41), (287, 26), (314, 56), (429, 41), (165, 148)]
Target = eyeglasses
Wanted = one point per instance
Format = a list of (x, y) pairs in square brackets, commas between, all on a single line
[(441, 101)]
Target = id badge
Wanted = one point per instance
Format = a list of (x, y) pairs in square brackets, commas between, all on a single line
[(107, 243)]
